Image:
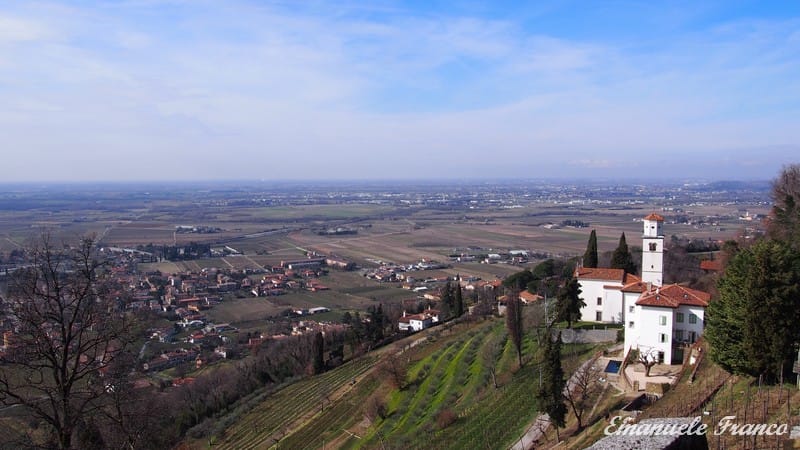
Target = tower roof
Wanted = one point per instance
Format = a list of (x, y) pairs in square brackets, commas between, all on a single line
[(654, 216)]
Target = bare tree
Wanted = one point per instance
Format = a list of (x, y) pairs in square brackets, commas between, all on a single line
[(68, 334), (648, 358), (785, 219), (491, 353), (395, 368), (582, 390)]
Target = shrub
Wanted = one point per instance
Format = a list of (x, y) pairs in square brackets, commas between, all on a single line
[(445, 418)]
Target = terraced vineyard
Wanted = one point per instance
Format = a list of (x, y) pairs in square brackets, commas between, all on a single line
[(266, 424), (449, 375)]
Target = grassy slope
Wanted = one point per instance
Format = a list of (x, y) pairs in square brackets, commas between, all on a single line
[(448, 372)]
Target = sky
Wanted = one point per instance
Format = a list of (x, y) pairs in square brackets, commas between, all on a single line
[(147, 90)]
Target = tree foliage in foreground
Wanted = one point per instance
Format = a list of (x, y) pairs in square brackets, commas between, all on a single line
[(752, 326), (70, 350)]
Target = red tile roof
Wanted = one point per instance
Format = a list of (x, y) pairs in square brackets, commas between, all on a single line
[(636, 286), (618, 275), (654, 216), (712, 265), (528, 297), (673, 296)]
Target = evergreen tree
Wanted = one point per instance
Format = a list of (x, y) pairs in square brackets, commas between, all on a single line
[(458, 300), (752, 326), (590, 256), (448, 303), (550, 392), (622, 258), (569, 303), (514, 322)]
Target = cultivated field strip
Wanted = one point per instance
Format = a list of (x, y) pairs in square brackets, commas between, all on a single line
[(447, 379), (266, 423)]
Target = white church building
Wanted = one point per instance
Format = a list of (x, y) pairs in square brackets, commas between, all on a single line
[(658, 320)]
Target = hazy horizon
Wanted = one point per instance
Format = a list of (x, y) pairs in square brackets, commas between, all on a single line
[(173, 90)]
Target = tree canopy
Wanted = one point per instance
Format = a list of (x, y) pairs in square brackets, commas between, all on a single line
[(752, 326)]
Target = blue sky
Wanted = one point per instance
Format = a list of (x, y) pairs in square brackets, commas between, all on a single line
[(192, 89)]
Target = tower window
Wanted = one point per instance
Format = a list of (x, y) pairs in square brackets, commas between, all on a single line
[(653, 246)]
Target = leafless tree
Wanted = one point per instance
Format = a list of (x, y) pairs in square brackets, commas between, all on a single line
[(583, 387), (490, 354), (785, 218), (395, 368), (68, 335), (646, 357)]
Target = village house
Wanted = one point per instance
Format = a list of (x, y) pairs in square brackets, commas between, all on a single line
[(664, 320), (418, 322), (658, 320)]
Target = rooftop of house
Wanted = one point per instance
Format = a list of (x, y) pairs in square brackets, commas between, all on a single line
[(714, 265), (673, 296), (603, 274)]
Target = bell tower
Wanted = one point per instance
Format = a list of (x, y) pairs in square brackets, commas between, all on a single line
[(653, 250)]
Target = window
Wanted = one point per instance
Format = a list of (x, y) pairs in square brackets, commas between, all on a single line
[(679, 317), (630, 324), (662, 337), (630, 309), (692, 318), (599, 316), (678, 335), (599, 301), (653, 246), (662, 320)]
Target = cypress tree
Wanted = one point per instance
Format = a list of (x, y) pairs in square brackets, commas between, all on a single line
[(448, 307), (514, 322), (590, 256), (622, 258), (550, 392), (459, 301)]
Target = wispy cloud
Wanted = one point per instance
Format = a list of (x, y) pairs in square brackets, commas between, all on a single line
[(384, 91)]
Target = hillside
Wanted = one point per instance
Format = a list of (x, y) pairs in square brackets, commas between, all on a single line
[(449, 399), (711, 393)]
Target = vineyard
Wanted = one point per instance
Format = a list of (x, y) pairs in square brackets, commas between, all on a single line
[(271, 420), (449, 400)]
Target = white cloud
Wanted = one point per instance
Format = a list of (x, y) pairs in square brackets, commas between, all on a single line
[(13, 29)]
